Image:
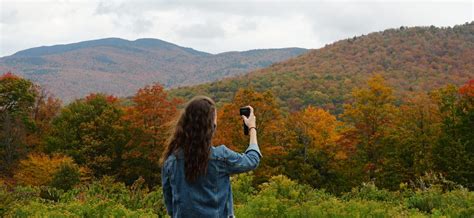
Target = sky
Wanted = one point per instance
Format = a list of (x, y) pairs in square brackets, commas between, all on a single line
[(216, 26)]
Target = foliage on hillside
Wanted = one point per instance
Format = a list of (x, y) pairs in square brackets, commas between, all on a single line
[(120, 67), (411, 59)]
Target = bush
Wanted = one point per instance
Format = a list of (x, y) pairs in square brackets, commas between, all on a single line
[(458, 203), (242, 187), (368, 191), (280, 197), (66, 177), (93, 208), (38, 169), (9, 196)]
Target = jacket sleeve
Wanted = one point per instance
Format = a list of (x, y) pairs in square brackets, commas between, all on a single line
[(240, 163), (167, 194)]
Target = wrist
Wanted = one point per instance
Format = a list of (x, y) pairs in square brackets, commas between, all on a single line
[(253, 127)]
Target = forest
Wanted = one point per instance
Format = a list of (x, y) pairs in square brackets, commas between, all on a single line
[(380, 155), (409, 58)]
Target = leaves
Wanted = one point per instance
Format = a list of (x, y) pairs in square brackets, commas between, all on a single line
[(39, 169)]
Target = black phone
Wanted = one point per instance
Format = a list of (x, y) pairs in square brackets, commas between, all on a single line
[(246, 112)]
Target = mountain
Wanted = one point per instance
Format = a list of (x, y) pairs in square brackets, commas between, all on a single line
[(410, 59), (120, 67)]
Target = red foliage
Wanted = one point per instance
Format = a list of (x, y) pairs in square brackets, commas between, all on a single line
[(109, 98), (467, 89), (8, 75)]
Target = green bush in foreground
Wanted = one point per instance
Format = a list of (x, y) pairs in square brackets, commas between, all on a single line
[(280, 197), (66, 177)]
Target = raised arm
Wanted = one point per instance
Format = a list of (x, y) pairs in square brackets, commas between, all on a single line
[(239, 163)]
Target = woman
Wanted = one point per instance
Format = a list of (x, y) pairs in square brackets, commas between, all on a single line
[(195, 174)]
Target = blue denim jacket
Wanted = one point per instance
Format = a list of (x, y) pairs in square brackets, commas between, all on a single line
[(210, 195)]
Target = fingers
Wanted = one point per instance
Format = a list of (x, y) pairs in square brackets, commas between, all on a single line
[(251, 109)]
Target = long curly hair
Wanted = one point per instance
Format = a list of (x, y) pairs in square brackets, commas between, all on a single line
[(193, 135)]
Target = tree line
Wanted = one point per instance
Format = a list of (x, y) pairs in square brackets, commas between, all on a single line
[(378, 138)]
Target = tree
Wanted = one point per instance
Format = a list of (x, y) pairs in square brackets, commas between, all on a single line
[(92, 132), (17, 98), (316, 129), (314, 152), (417, 131), (46, 107), (149, 119), (454, 153), (371, 115), (270, 124)]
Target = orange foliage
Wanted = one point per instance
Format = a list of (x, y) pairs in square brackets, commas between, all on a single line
[(109, 98), (38, 169), (150, 117), (269, 122), (318, 125), (468, 89)]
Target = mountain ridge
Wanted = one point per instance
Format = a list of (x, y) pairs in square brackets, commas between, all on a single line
[(120, 67), (111, 41)]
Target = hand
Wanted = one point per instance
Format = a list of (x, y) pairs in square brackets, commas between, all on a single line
[(251, 120)]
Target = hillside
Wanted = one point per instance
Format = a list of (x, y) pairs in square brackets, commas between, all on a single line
[(416, 58), (120, 67)]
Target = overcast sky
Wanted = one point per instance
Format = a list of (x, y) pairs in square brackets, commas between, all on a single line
[(215, 26)]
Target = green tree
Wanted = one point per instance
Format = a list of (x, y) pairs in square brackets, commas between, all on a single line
[(454, 153), (17, 98), (92, 132)]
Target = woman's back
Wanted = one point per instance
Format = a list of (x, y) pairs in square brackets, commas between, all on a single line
[(195, 174), (211, 194)]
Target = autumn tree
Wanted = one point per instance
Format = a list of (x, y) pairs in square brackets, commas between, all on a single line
[(371, 115), (271, 133), (417, 130), (149, 119), (454, 153), (314, 150), (46, 107), (17, 98)]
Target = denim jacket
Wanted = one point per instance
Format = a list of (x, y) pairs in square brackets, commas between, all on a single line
[(211, 194)]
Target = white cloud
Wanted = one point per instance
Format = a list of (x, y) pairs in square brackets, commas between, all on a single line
[(215, 26)]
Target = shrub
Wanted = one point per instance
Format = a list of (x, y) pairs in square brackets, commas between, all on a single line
[(50, 193), (242, 187), (66, 177), (38, 169), (9, 196), (458, 203), (93, 208), (368, 191), (279, 196)]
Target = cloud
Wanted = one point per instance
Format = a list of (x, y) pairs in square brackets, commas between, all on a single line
[(208, 30), (216, 26)]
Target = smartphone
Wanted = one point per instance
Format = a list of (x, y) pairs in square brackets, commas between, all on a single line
[(246, 112)]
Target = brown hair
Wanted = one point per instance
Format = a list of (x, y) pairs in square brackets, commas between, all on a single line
[(193, 134)]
